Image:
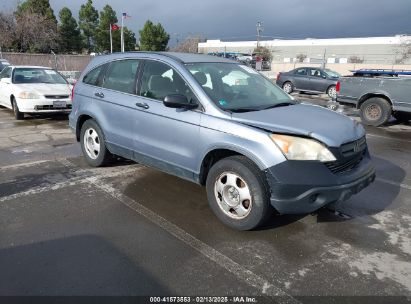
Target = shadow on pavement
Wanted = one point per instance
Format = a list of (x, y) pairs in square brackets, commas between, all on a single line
[(79, 265), (372, 200)]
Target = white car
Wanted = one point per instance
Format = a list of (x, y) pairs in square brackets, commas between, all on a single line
[(33, 89)]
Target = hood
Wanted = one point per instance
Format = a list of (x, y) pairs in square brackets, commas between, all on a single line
[(45, 88), (330, 128)]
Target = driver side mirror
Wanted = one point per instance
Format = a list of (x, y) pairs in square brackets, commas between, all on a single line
[(6, 80), (179, 101)]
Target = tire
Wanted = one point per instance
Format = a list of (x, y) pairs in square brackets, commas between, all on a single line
[(238, 193), (93, 144), (402, 116), (288, 87), (332, 92), (375, 111), (17, 114)]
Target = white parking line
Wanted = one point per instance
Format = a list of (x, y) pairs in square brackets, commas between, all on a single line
[(387, 181), (70, 182), (242, 273), (389, 138), (22, 165), (252, 279)]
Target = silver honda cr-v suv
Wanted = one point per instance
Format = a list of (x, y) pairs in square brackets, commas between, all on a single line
[(220, 124)]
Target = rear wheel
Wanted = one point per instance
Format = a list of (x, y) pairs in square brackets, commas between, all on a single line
[(332, 92), (17, 114), (402, 116), (93, 144), (238, 193), (288, 87), (375, 111)]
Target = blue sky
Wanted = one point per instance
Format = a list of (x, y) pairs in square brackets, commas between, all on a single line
[(236, 20)]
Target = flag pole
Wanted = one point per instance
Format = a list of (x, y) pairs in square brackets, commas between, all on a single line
[(111, 41), (122, 33)]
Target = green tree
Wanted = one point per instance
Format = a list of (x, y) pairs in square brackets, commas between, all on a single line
[(40, 7), (129, 40), (102, 36), (70, 39), (263, 52), (88, 22), (153, 37)]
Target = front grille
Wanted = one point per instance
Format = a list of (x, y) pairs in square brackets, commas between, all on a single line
[(353, 147), (348, 156), (50, 107), (56, 96), (346, 164)]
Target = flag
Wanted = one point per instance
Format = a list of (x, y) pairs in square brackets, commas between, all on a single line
[(125, 16), (115, 27)]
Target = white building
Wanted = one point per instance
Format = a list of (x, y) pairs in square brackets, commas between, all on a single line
[(375, 50)]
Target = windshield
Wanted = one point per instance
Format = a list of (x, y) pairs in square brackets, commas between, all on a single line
[(332, 73), (235, 87), (37, 75)]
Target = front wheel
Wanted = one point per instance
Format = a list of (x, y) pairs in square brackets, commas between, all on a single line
[(375, 111), (17, 114), (288, 87), (238, 193), (93, 144)]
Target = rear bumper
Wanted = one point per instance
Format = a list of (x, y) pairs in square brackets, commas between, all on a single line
[(303, 187), (345, 99), (42, 105)]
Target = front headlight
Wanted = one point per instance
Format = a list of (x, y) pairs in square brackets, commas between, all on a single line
[(28, 95), (299, 148)]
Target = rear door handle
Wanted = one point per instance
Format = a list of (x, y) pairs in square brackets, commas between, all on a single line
[(99, 94), (142, 105)]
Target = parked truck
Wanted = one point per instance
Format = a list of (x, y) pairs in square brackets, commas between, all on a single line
[(378, 94)]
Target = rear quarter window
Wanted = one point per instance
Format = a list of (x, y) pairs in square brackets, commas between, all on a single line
[(94, 76)]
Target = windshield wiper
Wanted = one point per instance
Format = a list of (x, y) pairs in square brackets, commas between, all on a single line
[(281, 104), (242, 110)]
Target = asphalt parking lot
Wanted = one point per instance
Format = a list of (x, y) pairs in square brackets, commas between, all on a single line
[(69, 229)]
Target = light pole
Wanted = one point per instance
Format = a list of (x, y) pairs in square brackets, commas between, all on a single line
[(260, 29), (55, 59)]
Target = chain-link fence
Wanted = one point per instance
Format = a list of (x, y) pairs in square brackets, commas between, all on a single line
[(58, 62)]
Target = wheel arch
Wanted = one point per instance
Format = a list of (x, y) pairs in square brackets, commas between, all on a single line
[(329, 86), (80, 122), (372, 95), (218, 153)]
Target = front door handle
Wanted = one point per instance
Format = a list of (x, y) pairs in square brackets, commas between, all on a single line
[(99, 94), (142, 105)]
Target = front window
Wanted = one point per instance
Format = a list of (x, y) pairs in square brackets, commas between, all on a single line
[(160, 80), (237, 88), (316, 73), (37, 75)]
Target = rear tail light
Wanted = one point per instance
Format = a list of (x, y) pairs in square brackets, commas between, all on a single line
[(278, 76), (338, 87), (72, 93)]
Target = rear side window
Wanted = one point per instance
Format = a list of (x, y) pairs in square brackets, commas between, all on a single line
[(121, 76), (301, 72), (92, 77)]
